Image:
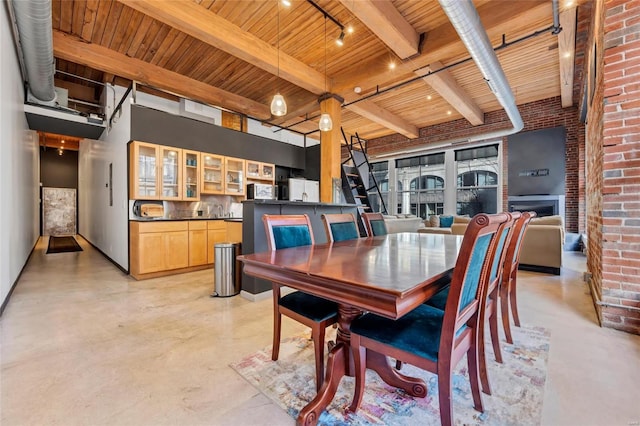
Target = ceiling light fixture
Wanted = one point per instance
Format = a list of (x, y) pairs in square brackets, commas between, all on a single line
[(350, 29), (286, 3), (357, 89), (392, 65), (325, 124), (340, 39), (429, 97), (278, 104)]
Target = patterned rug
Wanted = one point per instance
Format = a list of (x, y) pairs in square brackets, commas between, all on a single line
[(517, 386)]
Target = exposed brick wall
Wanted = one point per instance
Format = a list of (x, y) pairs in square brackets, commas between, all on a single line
[(583, 26), (620, 145), (537, 115)]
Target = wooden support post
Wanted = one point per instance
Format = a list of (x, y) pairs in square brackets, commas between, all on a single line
[(330, 149)]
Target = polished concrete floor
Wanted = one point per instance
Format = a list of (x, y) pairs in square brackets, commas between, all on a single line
[(84, 344)]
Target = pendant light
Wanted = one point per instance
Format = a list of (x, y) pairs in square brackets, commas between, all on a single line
[(278, 104), (325, 124)]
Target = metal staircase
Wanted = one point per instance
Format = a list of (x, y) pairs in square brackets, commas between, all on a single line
[(358, 181)]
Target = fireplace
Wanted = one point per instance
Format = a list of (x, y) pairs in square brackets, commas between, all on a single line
[(543, 205)]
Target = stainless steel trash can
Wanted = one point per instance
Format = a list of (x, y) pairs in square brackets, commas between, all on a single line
[(227, 270)]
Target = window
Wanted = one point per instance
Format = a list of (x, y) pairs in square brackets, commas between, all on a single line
[(477, 186), (380, 173), (423, 178), (473, 176)]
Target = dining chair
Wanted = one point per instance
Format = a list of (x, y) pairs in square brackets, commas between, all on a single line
[(510, 274), (430, 338), (340, 226), (489, 309), (286, 231), (374, 224)]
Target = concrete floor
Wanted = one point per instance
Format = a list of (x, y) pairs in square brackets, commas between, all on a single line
[(84, 344)]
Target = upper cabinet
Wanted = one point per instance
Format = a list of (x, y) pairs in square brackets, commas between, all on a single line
[(191, 175), (170, 179), (260, 172), (212, 177), (234, 170), (155, 172), (143, 165)]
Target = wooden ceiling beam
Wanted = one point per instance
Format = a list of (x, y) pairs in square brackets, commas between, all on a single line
[(566, 51), (442, 43), (206, 26), (386, 22), (446, 85), (101, 58), (373, 112)]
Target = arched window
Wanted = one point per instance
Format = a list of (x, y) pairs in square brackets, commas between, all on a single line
[(427, 182)]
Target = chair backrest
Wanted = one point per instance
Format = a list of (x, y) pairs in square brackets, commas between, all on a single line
[(374, 224), (505, 233), (284, 231), (512, 257), (340, 226), (471, 275)]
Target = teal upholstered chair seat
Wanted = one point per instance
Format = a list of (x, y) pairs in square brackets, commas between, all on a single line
[(417, 332), (313, 307)]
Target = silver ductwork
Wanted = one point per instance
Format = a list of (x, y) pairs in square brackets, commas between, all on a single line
[(465, 20), (33, 19)]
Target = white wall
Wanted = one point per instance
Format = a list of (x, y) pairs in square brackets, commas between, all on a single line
[(19, 167), (102, 224)]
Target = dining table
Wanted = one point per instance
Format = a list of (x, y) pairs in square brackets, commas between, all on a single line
[(388, 275)]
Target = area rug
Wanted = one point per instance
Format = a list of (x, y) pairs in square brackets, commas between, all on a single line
[(517, 386), (62, 245)]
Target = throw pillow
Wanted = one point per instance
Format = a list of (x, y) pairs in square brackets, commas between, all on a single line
[(446, 221), (434, 221)]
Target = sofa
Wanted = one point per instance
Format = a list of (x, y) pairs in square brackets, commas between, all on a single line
[(434, 225), (542, 245), (541, 248), (402, 223)]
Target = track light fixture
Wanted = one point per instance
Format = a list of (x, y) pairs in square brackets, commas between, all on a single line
[(340, 39)]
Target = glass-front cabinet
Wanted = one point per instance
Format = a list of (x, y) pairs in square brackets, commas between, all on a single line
[(144, 169), (234, 170), (171, 159), (257, 171), (191, 175), (156, 172), (212, 170)]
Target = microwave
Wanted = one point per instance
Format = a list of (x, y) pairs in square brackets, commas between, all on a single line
[(259, 191)]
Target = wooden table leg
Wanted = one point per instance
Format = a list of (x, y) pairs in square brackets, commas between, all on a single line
[(339, 364), (379, 363)]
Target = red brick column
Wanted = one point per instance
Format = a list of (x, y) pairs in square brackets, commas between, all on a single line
[(621, 167)]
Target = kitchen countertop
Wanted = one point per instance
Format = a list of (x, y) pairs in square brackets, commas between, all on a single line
[(166, 219)]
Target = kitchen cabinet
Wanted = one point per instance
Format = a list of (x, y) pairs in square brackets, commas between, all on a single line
[(212, 174), (155, 172), (191, 175), (216, 233), (260, 172), (234, 183), (143, 164), (158, 246), (197, 243), (171, 176), (234, 231)]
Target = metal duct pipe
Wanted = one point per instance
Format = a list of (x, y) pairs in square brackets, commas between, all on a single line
[(464, 17), (33, 19), (556, 17)]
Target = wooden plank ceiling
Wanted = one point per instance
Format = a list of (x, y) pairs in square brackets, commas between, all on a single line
[(238, 54)]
